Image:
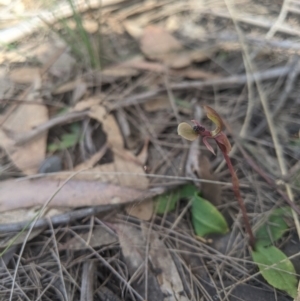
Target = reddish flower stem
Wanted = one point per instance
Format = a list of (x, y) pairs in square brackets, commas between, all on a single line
[(236, 190)]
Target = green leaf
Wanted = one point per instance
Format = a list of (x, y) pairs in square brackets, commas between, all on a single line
[(67, 140), (207, 218), (183, 103), (166, 202), (282, 276), (188, 191), (274, 228)]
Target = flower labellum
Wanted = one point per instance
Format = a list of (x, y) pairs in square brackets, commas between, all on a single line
[(186, 131)]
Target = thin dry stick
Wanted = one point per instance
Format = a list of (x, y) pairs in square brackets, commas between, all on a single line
[(243, 131), (66, 118), (289, 84), (263, 174), (282, 15), (234, 80), (263, 98), (110, 267)]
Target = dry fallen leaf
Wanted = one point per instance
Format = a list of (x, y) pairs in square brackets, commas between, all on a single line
[(156, 104), (91, 26), (92, 160), (139, 62), (161, 260), (211, 192), (100, 236), (119, 71), (142, 211), (109, 124), (133, 29), (126, 169), (158, 44), (133, 244), (6, 85), (9, 239), (29, 156), (124, 161), (76, 193), (79, 92), (156, 41), (66, 87), (89, 103), (24, 75), (193, 73)]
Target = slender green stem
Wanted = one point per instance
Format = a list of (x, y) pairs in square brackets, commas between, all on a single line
[(236, 190)]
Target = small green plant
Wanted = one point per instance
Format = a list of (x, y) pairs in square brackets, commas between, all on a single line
[(191, 133), (206, 218), (273, 264), (86, 48), (67, 140)]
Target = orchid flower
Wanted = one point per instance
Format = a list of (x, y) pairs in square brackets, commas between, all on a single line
[(188, 132)]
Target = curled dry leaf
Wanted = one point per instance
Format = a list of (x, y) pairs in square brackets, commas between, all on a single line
[(29, 156), (158, 44)]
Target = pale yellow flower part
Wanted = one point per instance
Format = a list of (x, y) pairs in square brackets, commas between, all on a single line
[(186, 131), (215, 118)]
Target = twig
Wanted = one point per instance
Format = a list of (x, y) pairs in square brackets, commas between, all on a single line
[(57, 219), (59, 120), (279, 20), (290, 81), (110, 267), (57, 257), (276, 44), (235, 80), (254, 20)]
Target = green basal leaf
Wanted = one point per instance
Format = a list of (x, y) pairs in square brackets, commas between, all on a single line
[(166, 202), (282, 275), (183, 103), (274, 228), (188, 191), (207, 218), (67, 140)]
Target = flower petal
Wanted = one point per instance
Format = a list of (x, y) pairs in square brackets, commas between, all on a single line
[(215, 118), (186, 131), (208, 146), (223, 143)]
